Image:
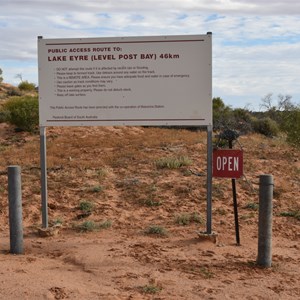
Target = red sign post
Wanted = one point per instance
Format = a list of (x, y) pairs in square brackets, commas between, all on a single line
[(227, 163)]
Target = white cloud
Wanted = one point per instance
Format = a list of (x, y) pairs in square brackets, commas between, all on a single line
[(256, 44), (257, 7)]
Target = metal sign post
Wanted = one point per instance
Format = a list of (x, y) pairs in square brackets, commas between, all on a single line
[(229, 164), (209, 181), (43, 162), (235, 206)]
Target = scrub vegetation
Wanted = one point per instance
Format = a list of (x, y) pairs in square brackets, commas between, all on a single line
[(274, 120), (19, 106)]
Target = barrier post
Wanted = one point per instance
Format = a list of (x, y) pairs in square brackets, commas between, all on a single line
[(264, 257), (15, 210)]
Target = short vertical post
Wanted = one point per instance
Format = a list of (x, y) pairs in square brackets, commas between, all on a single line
[(264, 257), (209, 181), (43, 162), (15, 210)]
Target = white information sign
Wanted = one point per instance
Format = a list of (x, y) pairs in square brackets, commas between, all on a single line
[(158, 80)]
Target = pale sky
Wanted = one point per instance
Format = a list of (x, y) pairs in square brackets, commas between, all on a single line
[(256, 44)]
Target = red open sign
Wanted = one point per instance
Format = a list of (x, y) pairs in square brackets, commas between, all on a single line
[(227, 163)]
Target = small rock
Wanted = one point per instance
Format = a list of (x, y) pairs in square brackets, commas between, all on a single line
[(46, 232)]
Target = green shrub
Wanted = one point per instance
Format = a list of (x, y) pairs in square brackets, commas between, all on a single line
[(2, 116), (88, 226), (221, 113), (291, 126), (22, 112), (96, 189), (242, 120), (26, 86), (186, 218), (226, 117), (151, 289), (152, 202), (173, 162), (156, 230), (86, 206), (266, 126), (183, 219), (294, 213)]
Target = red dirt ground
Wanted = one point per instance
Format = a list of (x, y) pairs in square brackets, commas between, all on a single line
[(115, 169)]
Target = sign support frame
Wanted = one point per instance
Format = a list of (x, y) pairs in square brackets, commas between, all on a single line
[(44, 188), (43, 163), (209, 181), (44, 182)]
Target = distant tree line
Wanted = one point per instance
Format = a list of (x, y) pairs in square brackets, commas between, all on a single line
[(273, 119)]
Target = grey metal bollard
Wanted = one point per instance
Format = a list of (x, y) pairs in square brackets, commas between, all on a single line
[(266, 185), (15, 210)]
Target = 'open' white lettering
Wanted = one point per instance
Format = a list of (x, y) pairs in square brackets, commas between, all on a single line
[(227, 163)]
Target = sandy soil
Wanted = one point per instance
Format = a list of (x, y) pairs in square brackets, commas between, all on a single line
[(116, 170)]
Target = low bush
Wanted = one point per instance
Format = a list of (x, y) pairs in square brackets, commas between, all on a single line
[(156, 230), (26, 86), (86, 206), (293, 213), (266, 126), (291, 126), (22, 112), (186, 218), (88, 226), (151, 289), (173, 162), (152, 202)]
